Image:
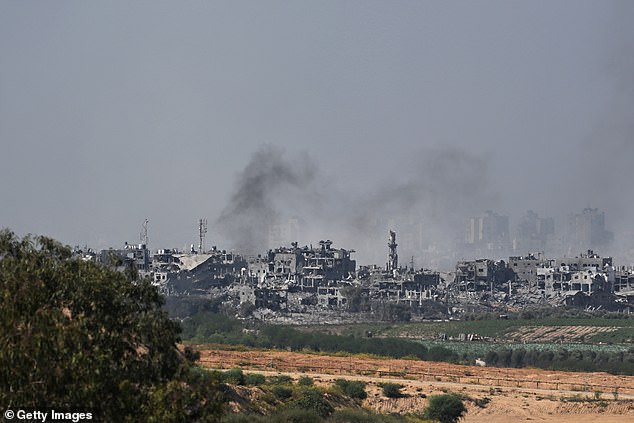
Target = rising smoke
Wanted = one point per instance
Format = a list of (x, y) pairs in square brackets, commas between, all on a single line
[(432, 198), (267, 184)]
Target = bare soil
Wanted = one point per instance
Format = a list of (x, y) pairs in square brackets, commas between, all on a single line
[(514, 394)]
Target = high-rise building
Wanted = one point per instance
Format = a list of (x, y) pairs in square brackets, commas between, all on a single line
[(586, 230), (534, 232), (490, 231)]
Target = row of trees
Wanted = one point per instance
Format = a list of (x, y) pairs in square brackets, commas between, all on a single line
[(218, 328), (620, 362)]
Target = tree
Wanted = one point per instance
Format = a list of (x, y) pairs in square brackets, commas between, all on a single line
[(77, 336), (446, 408)]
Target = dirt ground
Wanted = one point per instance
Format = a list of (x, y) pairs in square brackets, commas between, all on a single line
[(513, 394)]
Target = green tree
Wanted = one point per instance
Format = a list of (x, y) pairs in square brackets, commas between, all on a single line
[(447, 408), (78, 336)]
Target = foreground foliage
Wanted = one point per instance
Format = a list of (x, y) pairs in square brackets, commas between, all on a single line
[(447, 408), (79, 337)]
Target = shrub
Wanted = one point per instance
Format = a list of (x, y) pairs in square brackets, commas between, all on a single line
[(392, 390), (482, 402), (313, 400), (282, 392), (305, 381), (254, 379), (447, 408), (234, 376), (280, 380), (352, 388)]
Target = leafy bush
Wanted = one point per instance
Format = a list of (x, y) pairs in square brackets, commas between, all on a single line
[(254, 379), (352, 388), (446, 408), (482, 402), (282, 392), (313, 400), (76, 335), (305, 381), (392, 390), (234, 376)]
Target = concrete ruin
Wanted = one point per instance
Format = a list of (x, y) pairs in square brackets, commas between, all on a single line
[(315, 281)]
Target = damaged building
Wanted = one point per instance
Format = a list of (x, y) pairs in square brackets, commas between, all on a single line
[(324, 279), (195, 273)]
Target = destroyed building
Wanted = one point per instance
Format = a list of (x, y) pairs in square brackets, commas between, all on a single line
[(624, 280), (481, 275), (304, 268), (131, 256), (195, 273), (322, 279)]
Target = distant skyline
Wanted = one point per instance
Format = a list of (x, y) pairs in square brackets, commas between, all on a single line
[(114, 112)]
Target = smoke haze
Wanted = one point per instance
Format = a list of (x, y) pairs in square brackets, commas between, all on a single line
[(438, 192), (373, 115)]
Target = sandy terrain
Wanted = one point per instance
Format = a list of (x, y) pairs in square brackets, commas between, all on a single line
[(514, 394)]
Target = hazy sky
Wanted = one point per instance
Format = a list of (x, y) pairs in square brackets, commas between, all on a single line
[(113, 112)]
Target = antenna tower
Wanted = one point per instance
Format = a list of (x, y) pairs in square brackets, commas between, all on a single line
[(202, 231), (144, 238)]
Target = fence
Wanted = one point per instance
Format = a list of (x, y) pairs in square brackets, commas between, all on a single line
[(349, 366)]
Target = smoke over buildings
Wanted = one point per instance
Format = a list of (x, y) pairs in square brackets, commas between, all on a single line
[(426, 199), (269, 183)]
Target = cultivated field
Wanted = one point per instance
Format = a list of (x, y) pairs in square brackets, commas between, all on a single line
[(512, 394), (566, 330), (558, 333)]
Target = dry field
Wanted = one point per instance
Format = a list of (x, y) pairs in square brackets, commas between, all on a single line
[(515, 394)]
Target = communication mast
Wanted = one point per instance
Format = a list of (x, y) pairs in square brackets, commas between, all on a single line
[(202, 231), (143, 236)]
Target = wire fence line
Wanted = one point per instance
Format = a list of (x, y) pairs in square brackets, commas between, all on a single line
[(351, 367)]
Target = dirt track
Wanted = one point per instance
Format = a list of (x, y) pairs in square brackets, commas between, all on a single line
[(515, 394)]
